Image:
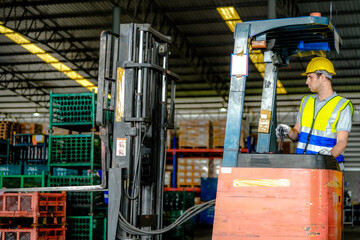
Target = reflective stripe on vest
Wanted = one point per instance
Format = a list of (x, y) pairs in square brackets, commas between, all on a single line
[(322, 127)]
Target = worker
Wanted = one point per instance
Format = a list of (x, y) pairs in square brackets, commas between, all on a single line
[(324, 119)]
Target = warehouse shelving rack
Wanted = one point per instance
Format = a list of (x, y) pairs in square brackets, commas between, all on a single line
[(193, 152)]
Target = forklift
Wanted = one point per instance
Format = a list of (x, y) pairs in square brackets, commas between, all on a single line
[(265, 195), (260, 196)]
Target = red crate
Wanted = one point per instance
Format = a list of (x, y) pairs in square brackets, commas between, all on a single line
[(33, 233), (50, 206)]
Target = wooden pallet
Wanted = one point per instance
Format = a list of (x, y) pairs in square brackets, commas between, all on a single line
[(189, 186), (193, 147)]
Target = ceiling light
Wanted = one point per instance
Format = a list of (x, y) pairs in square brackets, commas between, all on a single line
[(223, 109), (46, 57), (231, 17), (36, 113)]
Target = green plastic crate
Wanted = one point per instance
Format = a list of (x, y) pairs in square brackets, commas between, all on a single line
[(76, 200), (22, 181), (182, 232), (74, 150), (175, 203), (178, 200), (34, 169), (4, 151), (11, 169), (86, 227), (67, 110)]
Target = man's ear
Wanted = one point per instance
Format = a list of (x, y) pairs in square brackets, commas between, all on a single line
[(323, 78)]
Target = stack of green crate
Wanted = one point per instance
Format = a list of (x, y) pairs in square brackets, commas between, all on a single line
[(73, 111), (79, 202), (175, 204), (4, 151), (86, 227), (74, 159)]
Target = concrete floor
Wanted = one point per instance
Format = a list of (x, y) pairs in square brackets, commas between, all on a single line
[(203, 232)]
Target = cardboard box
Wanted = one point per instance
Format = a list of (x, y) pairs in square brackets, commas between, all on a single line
[(180, 181), (169, 167), (181, 161), (167, 180), (30, 128), (189, 181), (181, 174), (197, 181), (214, 167), (181, 167)]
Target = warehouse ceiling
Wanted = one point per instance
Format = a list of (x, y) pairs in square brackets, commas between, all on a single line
[(200, 51)]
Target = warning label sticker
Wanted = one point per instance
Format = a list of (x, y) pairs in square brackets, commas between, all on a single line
[(121, 147)]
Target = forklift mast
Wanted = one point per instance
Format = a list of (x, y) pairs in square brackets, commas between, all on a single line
[(133, 115)]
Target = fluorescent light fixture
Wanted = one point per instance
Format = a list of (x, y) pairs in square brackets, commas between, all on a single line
[(228, 13), (46, 57), (231, 17), (231, 24)]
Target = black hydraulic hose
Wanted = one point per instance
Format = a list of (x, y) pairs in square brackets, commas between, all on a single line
[(189, 213)]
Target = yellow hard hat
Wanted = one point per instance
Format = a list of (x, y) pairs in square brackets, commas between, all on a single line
[(318, 64)]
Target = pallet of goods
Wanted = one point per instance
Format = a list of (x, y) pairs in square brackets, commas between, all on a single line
[(219, 127), (191, 170), (194, 134)]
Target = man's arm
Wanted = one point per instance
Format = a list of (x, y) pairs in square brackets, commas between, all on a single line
[(341, 142), (294, 132)]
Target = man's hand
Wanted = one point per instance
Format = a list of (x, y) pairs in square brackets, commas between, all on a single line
[(325, 152), (285, 128)]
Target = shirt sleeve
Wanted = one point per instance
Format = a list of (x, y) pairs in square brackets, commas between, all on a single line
[(345, 120)]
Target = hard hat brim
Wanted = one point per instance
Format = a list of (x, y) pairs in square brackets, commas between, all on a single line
[(305, 74)]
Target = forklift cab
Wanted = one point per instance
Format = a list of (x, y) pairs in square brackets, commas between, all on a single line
[(275, 196)]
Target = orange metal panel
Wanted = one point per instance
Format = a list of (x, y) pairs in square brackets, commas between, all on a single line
[(278, 204)]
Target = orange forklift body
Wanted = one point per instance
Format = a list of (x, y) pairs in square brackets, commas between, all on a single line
[(278, 204)]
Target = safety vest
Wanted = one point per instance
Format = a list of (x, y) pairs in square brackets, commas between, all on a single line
[(318, 132)]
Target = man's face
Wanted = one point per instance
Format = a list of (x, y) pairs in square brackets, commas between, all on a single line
[(313, 82)]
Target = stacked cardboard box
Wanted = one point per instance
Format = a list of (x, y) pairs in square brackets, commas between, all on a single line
[(194, 133), (171, 133), (191, 170), (219, 127), (30, 128), (215, 165), (167, 180)]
